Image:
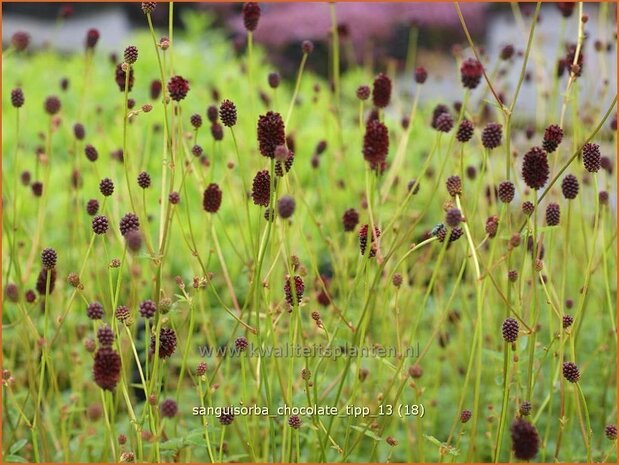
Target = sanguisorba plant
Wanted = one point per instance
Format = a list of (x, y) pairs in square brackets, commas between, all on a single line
[(205, 261)]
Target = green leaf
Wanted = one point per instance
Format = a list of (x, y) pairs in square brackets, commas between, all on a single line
[(366, 430), (16, 458), (15, 448), (441, 445)]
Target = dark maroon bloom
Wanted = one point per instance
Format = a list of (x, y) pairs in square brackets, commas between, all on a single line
[(591, 157), (363, 92), (607, 164), (92, 207), (30, 296), (227, 113), (553, 135), (492, 225), (512, 275), (105, 335), (217, 131), (470, 73), (454, 185), (299, 287), (506, 191), (178, 88), (571, 372), (197, 150), (174, 198), (307, 47), (37, 188), (196, 121), (375, 143), (566, 8), (48, 258), (20, 41), (421, 75), (251, 15), (168, 408), (350, 219), (92, 37), (413, 185), (52, 105), (295, 422), (131, 54), (465, 131), (212, 113), (211, 199), (129, 222), (95, 311), (525, 408), (106, 187), (528, 208), (525, 440), (363, 240), (167, 343), (453, 217), (507, 52), (25, 177), (155, 89), (381, 91), (491, 135), (148, 7), (567, 321), (510, 330), (570, 187), (271, 133), (99, 224), (603, 197), (286, 206), (241, 343), (148, 309), (261, 188), (274, 79), (611, 432), (535, 170), (78, 131), (122, 313), (283, 168), (465, 416), (553, 214), (91, 153), (121, 76), (444, 123), (42, 281), (12, 292), (437, 112), (144, 180), (226, 417), (106, 368), (17, 98)]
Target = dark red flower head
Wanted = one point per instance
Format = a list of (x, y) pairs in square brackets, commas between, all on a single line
[(381, 91), (271, 133), (525, 440), (178, 88), (167, 343), (17, 98), (299, 287), (227, 113), (535, 170), (470, 73), (261, 188), (363, 240), (251, 15), (553, 135), (106, 368), (211, 199), (92, 37), (421, 75), (375, 143), (121, 77), (20, 41)]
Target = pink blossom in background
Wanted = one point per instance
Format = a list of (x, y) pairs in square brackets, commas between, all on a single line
[(282, 23)]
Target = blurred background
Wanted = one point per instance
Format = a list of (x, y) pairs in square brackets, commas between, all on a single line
[(376, 34)]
